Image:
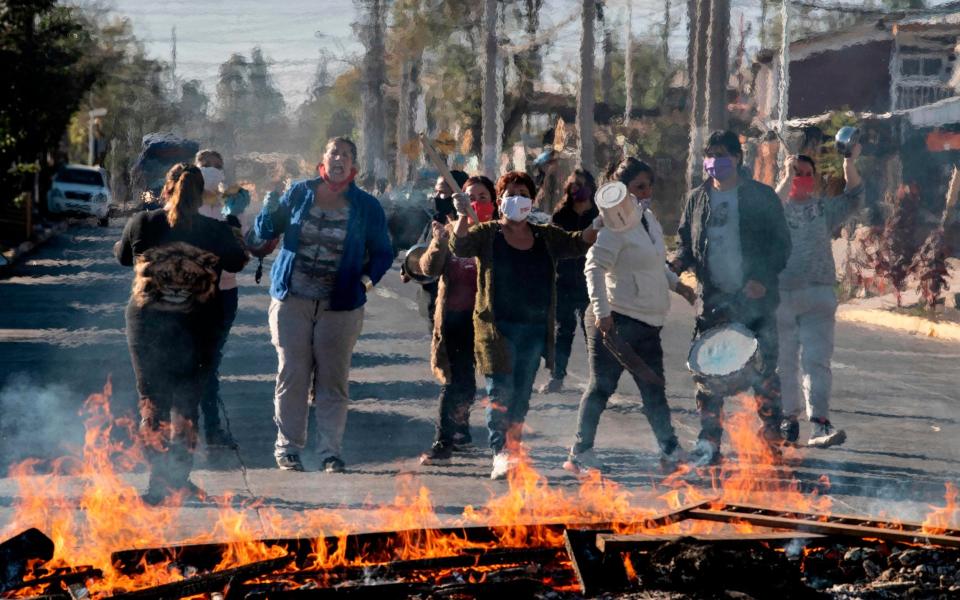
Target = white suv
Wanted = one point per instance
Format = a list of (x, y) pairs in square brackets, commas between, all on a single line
[(81, 190)]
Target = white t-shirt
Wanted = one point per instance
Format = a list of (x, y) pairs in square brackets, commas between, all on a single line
[(228, 281)]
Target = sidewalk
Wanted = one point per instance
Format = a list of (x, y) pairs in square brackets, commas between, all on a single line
[(10, 257), (881, 311)]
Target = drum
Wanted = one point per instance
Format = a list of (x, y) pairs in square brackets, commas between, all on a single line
[(725, 360), (411, 263)]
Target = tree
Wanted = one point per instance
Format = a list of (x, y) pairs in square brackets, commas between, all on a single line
[(43, 47), (372, 30), (490, 142), (585, 96)]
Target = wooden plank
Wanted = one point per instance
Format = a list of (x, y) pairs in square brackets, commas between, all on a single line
[(587, 561), (836, 518), (824, 527), (77, 576), (207, 583), (610, 543)]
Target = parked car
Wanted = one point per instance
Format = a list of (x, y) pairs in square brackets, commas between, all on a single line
[(81, 190)]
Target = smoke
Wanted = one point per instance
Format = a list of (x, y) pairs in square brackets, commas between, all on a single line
[(37, 421)]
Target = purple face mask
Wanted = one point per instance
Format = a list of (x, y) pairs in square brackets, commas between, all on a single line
[(720, 168)]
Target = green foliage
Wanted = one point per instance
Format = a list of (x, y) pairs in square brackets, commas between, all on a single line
[(43, 46)]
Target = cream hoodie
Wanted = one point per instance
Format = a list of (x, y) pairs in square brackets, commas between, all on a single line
[(627, 273)]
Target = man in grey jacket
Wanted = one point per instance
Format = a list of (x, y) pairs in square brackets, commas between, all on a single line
[(734, 236), (808, 304)]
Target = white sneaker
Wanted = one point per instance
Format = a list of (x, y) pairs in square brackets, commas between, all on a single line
[(501, 465), (705, 454), (824, 435), (582, 462)]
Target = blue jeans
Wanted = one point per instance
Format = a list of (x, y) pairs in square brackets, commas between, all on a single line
[(509, 393), (210, 401)]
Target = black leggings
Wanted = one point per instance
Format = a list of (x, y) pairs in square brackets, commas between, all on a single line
[(170, 352)]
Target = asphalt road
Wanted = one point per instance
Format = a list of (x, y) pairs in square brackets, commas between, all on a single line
[(61, 338)]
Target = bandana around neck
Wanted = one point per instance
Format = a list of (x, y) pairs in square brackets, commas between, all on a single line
[(335, 187)]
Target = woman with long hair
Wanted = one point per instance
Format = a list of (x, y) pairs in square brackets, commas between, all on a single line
[(172, 320), (513, 316), (628, 284), (576, 212), (451, 353), (335, 248)]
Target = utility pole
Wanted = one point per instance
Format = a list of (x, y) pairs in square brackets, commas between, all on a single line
[(173, 59), (783, 84), (698, 12), (628, 64), (585, 96)]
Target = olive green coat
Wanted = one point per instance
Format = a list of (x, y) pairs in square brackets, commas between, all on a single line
[(492, 353)]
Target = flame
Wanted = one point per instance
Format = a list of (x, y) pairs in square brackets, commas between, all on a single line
[(942, 518), (112, 515)]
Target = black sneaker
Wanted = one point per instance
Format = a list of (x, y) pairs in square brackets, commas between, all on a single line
[(289, 462), (333, 464), (462, 440), (790, 430), (439, 454), (218, 438)]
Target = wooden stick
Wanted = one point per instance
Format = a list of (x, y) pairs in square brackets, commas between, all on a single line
[(825, 527), (953, 191), (610, 543), (441, 166), (840, 519)]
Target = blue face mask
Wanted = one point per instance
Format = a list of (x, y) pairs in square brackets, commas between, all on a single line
[(720, 168)]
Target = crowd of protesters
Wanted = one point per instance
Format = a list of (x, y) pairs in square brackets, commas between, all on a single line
[(507, 287)]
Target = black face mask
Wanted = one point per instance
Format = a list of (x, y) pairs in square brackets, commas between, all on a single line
[(443, 207)]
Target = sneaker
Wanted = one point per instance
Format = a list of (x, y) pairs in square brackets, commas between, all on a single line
[(501, 465), (218, 438), (333, 464), (462, 440), (582, 462), (438, 454), (289, 462), (705, 454), (551, 387), (824, 435), (790, 430), (670, 461)]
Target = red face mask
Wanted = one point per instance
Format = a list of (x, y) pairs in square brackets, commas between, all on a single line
[(484, 210), (335, 187), (802, 187)]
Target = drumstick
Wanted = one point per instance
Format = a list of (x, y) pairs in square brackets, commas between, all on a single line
[(434, 157)]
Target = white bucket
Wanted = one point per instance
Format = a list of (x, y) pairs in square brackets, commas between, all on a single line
[(617, 206)]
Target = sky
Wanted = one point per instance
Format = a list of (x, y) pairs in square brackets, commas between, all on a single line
[(292, 33)]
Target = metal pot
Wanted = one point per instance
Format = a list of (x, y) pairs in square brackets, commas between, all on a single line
[(743, 370), (411, 263)]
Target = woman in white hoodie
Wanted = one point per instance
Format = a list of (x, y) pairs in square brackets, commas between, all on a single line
[(628, 283)]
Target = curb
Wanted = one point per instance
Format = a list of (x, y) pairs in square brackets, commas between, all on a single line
[(945, 331), (11, 257)]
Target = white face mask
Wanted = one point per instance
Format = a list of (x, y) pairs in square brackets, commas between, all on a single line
[(516, 208), (212, 178), (643, 203)]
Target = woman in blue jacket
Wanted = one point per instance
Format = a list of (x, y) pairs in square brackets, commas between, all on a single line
[(335, 248)]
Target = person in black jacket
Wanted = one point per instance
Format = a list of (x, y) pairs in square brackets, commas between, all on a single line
[(172, 320), (734, 236), (576, 212)]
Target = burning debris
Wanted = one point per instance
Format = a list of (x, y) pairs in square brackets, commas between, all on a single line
[(545, 542)]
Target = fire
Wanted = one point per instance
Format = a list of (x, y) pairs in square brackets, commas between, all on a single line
[(942, 518), (113, 517)]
